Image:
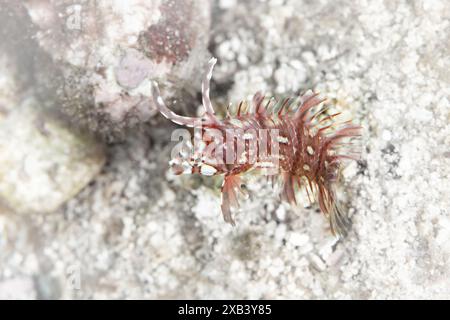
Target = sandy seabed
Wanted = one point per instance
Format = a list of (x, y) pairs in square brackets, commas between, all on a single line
[(136, 231)]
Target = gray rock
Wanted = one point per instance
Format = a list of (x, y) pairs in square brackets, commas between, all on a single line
[(108, 52), (42, 162)]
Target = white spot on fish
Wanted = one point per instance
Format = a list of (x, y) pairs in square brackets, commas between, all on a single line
[(243, 157), (207, 170), (265, 164), (310, 150), (282, 139)]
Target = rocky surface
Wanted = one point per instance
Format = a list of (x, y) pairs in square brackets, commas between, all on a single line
[(43, 162), (107, 51), (138, 232)]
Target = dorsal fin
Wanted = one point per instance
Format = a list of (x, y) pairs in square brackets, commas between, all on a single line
[(258, 99), (283, 105), (307, 102)]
